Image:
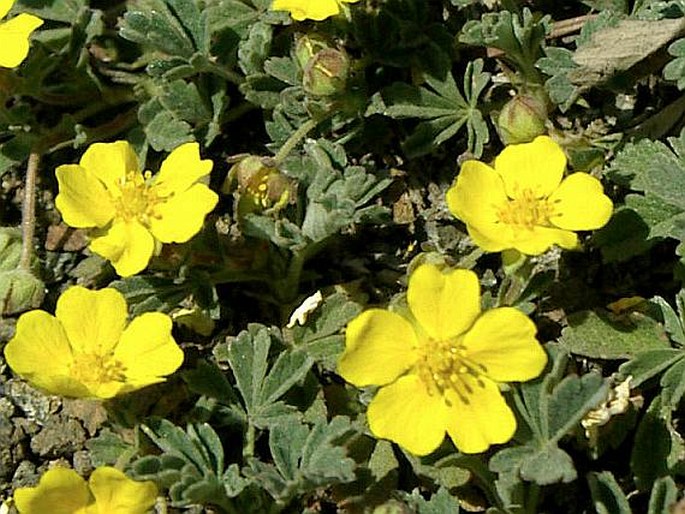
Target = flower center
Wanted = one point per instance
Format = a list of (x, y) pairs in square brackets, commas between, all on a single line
[(444, 366), (136, 198), (95, 369), (526, 211)]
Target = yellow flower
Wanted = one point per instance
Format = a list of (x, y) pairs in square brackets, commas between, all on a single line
[(134, 213), (438, 371), (523, 203), (310, 9), (63, 491), (14, 35), (87, 350)]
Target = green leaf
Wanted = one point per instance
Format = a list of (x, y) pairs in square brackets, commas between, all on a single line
[(652, 447), (441, 502), (653, 168), (607, 496), (163, 129), (254, 50), (673, 324), (442, 107), (305, 458), (191, 464), (320, 336), (675, 70), (107, 448), (157, 24), (248, 356), (646, 365), (149, 294), (551, 408), (183, 100), (604, 335), (663, 497), (519, 37)]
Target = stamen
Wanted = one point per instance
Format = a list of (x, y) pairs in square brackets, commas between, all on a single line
[(444, 366), (527, 211)]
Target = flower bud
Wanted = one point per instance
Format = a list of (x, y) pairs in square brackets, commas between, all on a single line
[(307, 47), (522, 119), (20, 290), (326, 73), (258, 185)]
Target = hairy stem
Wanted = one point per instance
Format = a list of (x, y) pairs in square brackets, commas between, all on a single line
[(28, 211)]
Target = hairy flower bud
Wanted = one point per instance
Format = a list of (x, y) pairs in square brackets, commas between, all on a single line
[(326, 73), (20, 289), (522, 119), (307, 47), (259, 186)]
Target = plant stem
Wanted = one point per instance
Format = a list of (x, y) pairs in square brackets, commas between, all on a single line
[(28, 212), (293, 140), (248, 446)]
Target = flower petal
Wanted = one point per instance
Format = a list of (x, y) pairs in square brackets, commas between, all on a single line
[(540, 239), (147, 350), (14, 39), (483, 420), (92, 320), (127, 245), (39, 349), (477, 194), (83, 200), (59, 491), (115, 493), (307, 9), (5, 6), (379, 346), (580, 203), (181, 169), (503, 341), (405, 413), (110, 162), (537, 166), (444, 304), (182, 216)]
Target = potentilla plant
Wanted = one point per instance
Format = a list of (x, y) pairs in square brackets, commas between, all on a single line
[(341, 255)]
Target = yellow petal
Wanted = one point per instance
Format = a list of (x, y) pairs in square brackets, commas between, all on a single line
[(147, 350), (182, 216), (59, 491), (503, 341), (537, 166), (580, 203), (5, 6), (477, 194), (379, 346), (39, 349), (83, 200), (127, 245), (539, 239), (110, 162), (482, 420), (444, 304), (14, 39), (181, 169), (493, 238), (115, 493), (406, 414), (92, 320), (307, 9)]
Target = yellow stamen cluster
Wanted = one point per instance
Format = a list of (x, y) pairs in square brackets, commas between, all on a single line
[(444, 366), (136, 198), (527, 211), (93, 369)]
